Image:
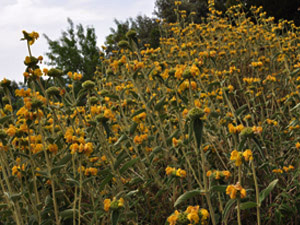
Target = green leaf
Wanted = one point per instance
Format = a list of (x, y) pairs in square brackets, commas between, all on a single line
[(187, 195), (241, 109), (248, 205), (160, 104), (3, 206), (295, 72), (64, 160), (72, 181), (227, 209), (242, 143), (138, 112), (133, 128), (174, 134), (198, 127), (115, 217), (264, 193), (105, 181), (68, 213), (56, 169), (121, 157), (220, 188), (128, 165), (47, 222), (5, 118), (15, 197), (295, 107), (88, 179), (122, 138)]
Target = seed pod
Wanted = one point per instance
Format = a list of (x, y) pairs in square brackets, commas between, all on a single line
[(123, 44), (55, 73), (88, 84), (53, 91), (93, 100), (195, 113), (131, 34)]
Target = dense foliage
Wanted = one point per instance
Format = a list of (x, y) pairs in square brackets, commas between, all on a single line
[(76, 50), (201, 130)]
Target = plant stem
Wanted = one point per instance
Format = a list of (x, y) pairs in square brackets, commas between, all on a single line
[(239, 199), (257, 194)]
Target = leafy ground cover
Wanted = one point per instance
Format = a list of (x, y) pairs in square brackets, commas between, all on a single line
[(202, 130)]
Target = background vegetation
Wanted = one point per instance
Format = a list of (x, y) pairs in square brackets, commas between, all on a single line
[(203, 129)]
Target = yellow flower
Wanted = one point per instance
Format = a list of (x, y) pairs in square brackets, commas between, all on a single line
[(88, 148), (121, 202), (193, 217), (248, 155), (107, 203), (173, 218), (297, 145), (209, 173), (231, 128), (239, 128), (53, 148), (237, 157), (232, 190), (90, 171), (277, 171), (11, 131), (175, 141), (194, 70), (8, 107), (74, 147), (170, 170), (204, 213), (181, 173), (81, 169), (257, 130), (226, 174)]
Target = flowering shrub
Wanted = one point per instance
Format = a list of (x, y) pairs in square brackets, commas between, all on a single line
[(208, 119)]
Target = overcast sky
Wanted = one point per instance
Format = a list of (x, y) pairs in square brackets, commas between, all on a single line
[(50, 17)]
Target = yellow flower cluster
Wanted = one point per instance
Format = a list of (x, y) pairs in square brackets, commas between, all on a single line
[(178, 173), (237, 157), (233, 190), (113, 204), (216, 174), (192, 215)]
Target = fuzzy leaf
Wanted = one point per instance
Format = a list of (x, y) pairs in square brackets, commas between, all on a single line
[(187, 195), (264, 193)]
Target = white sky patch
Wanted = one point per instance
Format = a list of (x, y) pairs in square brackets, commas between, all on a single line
[(50, 17)]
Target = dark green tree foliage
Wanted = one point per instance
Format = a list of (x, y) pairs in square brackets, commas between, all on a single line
[(75, 51), (116, 35), (280, 9), (164, 9), (147, 32)]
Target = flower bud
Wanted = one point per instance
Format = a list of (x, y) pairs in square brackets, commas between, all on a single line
[(93, 100), (55, 73), (88, 84), (36, 103), (131, 34), (5, 100), (246, 132), (53, 91), (5, 83), (123, 44), (3, 134), (30, 61), (195, 113), (101, 118)]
